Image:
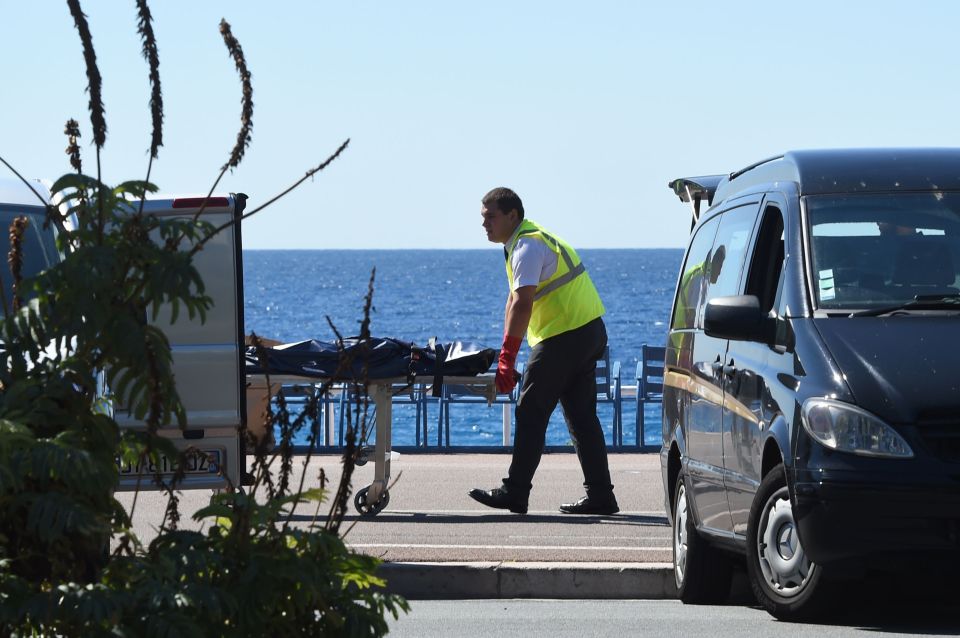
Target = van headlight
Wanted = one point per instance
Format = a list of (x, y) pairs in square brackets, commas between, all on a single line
[(847, 428)]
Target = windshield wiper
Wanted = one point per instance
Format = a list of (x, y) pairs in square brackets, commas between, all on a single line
[(920, 302)]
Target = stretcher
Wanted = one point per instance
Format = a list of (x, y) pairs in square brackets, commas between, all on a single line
[(372, 499)]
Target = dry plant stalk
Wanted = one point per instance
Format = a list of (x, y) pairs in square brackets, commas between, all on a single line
[(351, 450), (246, 111), (145, 29), (313, 171), (72, 131), (355, 429), (15, 257), (149, 50), (246, 119), (94, 80), (95, 89)]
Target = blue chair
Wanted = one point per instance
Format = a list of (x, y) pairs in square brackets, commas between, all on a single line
[(453, 394), (296, 395), (403, 394), (609, 391), (423, 417), (650, 370)]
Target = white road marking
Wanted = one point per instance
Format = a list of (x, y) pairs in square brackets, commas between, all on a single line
[(537, 547), (621, 515), (582, 537)]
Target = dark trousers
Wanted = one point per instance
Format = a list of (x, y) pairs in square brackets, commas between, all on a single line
[(562, 369)]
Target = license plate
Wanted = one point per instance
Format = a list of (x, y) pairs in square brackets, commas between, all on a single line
[(203, 462)]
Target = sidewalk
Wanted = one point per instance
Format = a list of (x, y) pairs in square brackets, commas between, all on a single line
[(439, 543)]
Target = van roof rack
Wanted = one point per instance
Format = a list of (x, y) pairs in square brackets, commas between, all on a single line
[(693, 190)]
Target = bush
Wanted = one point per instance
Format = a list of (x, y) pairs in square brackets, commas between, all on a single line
[(251, 573)]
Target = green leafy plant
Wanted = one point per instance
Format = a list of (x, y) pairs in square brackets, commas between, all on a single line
[(69, 563)]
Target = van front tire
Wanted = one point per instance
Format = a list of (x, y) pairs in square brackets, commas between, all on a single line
[(702, 572), (786, 583)]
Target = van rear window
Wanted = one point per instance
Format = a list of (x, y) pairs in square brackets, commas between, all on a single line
[(39, 248)]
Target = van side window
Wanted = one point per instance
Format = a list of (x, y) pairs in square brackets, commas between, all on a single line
[(692, 285), (766, 267), (729, 250)]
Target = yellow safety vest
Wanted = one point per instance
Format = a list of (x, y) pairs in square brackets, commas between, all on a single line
[(565, 301)]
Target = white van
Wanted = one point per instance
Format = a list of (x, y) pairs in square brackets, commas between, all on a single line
[(208, 357)]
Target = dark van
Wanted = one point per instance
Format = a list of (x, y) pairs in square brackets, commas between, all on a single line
[(811, 408)]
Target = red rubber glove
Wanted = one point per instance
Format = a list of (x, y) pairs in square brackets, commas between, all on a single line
[(506, 375)]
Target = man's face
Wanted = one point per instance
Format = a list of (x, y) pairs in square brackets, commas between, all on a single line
[(499, 226)]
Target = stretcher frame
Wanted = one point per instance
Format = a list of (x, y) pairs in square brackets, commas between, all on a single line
[(373, 498)]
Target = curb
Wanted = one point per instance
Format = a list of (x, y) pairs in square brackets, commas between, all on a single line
[(473, 580)]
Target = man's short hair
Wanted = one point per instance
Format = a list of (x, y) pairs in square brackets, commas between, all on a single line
[(505, 200)]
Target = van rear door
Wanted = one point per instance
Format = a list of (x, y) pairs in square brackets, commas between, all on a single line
[(208, 361)]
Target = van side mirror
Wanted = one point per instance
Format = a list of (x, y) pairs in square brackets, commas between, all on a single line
[(739, 318)]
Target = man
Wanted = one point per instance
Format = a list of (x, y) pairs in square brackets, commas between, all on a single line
[(888, 229), (553, 301)]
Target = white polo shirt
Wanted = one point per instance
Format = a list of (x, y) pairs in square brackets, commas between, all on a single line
[(532, 261)]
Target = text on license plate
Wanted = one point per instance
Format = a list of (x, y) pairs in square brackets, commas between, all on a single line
[(207, 462)]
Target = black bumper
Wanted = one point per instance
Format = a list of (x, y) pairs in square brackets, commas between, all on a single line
[(842, 518)]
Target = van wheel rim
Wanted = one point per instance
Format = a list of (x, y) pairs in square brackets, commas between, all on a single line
[(785, 566), (680, 537)]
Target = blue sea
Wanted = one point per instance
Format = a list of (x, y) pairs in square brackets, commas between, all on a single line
[(453, 295)]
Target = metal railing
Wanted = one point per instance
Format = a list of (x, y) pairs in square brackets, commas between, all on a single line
[(432, 416)]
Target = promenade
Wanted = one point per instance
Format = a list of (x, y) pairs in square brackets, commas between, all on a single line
[(439, 543)]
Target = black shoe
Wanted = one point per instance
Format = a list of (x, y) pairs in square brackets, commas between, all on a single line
[(500, 499), (587, 505)]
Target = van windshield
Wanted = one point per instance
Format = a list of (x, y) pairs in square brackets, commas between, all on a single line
[(880, 250), (39, 247)]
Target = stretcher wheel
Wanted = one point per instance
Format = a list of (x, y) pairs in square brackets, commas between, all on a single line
[(360, 502)]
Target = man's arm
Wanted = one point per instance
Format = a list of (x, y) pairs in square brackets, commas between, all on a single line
[(515, 320), (517, 313)]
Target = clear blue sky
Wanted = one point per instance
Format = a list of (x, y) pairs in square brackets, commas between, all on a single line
[(586, 109)]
